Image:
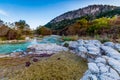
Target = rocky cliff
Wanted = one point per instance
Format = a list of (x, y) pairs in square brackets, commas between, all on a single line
[(92, 10)]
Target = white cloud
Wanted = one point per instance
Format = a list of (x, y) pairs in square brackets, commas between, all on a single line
[(2, 12)]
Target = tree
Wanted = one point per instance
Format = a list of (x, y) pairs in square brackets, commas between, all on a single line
[(23, 27), (1, 22), (98, 25), (21, 24), (41, 30)]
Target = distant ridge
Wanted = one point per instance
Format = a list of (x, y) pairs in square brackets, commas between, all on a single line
[(90, 12)]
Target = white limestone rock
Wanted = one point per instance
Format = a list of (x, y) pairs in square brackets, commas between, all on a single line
[(90, 59), (109, 76), (89, 77), (93, 68), (82, 49), (100, 64), (114, 74), (114, 63), (111, 52), (81, 42), (103, 68), (48, 48), (86, 41), (93, 50), (97, 43), (73, 44), (100, 60), (110, 44), (117, 47), (89, 45), (105, 77)]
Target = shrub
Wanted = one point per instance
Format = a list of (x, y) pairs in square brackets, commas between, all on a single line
[(66, 45), (3, 38), (41, 30), (70, 38)]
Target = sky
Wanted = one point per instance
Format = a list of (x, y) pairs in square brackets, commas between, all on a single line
[(40, 12)]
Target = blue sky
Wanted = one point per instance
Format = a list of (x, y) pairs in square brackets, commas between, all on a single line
[(39, 12)]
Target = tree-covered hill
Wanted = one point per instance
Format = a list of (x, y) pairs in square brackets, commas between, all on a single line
[(90, 13)]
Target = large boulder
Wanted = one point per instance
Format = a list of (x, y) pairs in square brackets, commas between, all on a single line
[(103, 68), (82, 49), (97, 43), (81, 42), (93, 68), (100, 60), (111, 52), (117, 47), (92, 49), (115, 64), (110, 44), (73, 44), (114, 74)]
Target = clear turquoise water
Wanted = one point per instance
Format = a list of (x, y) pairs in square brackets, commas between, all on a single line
[(8, 48)]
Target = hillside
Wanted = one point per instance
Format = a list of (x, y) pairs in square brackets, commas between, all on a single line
[(90, 12)]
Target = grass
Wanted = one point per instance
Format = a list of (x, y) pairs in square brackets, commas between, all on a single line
[(8, 65), (70, 38), (10, 61), (61, 66)]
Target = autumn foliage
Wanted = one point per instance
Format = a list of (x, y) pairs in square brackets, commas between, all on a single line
[(102, 26)]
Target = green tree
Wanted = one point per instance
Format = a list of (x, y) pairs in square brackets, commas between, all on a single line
[(98, 24), (23, 27), (41, 30)]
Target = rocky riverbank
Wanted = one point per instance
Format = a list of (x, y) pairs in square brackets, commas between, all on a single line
[(4, 55), (12, 41), (103, 59), (49, 48)]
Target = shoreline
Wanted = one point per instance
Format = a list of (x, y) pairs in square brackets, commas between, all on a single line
[(4, 55), (12, 41)]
